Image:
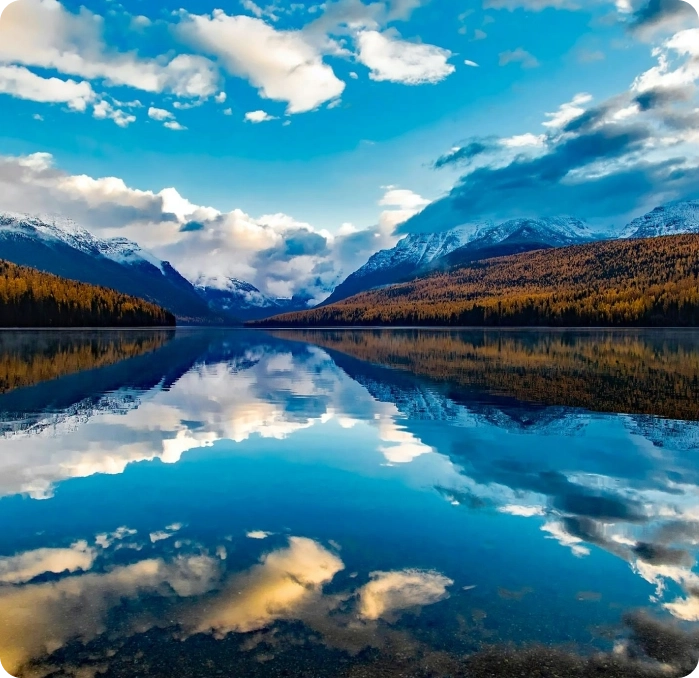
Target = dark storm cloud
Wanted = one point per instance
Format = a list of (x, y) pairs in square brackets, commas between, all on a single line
[(661, 97), (543, 186), (656, 554), (464, 154), (599, 506), (295, 244)]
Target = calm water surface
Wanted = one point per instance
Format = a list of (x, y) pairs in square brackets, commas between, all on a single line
[(349, 504)]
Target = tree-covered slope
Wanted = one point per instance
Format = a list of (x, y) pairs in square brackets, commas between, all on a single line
[(31, 298), (644, 282)]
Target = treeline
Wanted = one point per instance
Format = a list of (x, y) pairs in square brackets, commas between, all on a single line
[(624, 283), (603, 371), (27, 359), (31, 298)]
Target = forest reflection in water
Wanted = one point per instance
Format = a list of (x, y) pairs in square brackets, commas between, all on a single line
[(605, 371), (351, 504)]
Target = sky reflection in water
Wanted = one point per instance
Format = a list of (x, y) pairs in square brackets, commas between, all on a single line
[(349, 503)]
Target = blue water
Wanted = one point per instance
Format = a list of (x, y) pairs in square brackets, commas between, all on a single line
[(241, 503)]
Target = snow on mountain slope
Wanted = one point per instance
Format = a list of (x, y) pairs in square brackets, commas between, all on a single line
[(61, 247), (51, 228), (672, 219), (420, 248), (418, 253), (242, 299), (553, 231), (413, 252)]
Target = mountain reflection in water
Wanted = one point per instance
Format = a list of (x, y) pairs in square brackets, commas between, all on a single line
[(373, 503)]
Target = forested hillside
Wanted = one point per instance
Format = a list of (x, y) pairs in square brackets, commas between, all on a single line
[(30, 298), (645, 282)]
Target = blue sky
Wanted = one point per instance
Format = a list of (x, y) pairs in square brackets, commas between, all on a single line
[(327, 116)]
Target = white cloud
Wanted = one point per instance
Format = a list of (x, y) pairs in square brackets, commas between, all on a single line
[(557, 530), (405, 202), (393, 59), (169, 531), (26, 566), (20, 82), (258, 116), (104, 110), (523, 140), (43, 33), (279, 587), (174, 125), (470, 63), (391, 592), (523, 511), (282, 65), (683, 44), (568, 111), (159, 114), (105, 540), (258, 534), (40, 618), (232, 244)]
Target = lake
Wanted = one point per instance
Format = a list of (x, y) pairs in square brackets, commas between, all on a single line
[(354, 504)]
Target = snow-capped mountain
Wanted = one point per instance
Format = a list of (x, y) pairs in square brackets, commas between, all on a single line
[(243, 300), (516, 236), (62, 247), (553, 231), (420, 253), (672, 219), (412, 253)]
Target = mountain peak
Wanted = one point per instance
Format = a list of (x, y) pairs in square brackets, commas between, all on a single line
[(671, 219), (62, 247), (49, 227)]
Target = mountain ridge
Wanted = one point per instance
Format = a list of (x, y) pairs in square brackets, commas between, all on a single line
[(419, 253), (61, 247), (623, 282)]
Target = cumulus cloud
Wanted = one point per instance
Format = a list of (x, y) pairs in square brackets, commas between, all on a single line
[(159, 114), (26, 566), (258, 116), (20, 82), (283, 65), (39, 618), (174, 125), (106, 111), (283, 583), (42, 33), (391, 592), (278, 254), (396, 60)]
